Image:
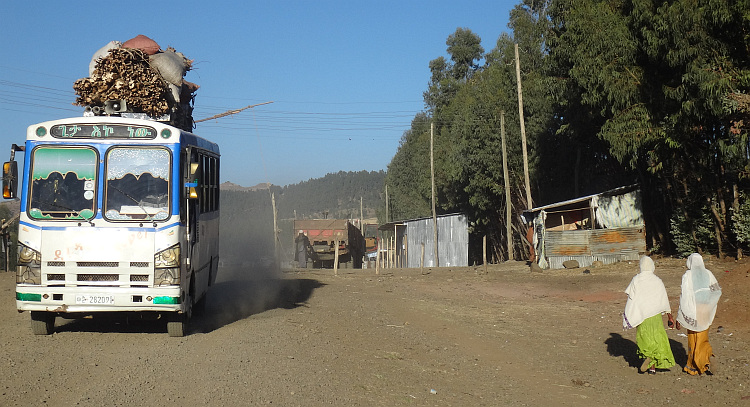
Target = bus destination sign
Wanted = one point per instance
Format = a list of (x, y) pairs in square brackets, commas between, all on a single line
[(102, 131)]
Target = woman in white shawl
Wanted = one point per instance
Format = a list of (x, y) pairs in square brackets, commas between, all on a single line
[(700, 295), (647, 301)]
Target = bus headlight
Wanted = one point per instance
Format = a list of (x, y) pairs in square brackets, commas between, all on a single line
[(29, 269), (167, 267)]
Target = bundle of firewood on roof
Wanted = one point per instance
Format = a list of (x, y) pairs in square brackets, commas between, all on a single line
[(138, 77)]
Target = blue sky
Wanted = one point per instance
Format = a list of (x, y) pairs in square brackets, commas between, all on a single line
[(345, 77)]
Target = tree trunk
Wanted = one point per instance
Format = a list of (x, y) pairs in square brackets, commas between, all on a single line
[(736, 209)]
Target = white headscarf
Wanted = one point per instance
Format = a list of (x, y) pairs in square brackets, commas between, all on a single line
[(700, 295), (646, 296)]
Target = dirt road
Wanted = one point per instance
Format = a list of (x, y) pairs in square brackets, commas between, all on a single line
[(448, 337)]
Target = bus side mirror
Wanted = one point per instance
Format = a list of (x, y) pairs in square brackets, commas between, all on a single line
[(192, 183), (10, 179)]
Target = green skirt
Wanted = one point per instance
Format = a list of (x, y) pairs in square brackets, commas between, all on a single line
[(653, 343)]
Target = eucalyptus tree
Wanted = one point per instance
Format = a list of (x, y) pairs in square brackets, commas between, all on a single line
[(658, 82), (408, 176), (465, 50)]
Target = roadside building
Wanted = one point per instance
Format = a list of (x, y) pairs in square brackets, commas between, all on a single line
[(606, 227), (404, 243)]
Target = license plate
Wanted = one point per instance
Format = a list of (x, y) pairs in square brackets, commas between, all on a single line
[(95, 299)]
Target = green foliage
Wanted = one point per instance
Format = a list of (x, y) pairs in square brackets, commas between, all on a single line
[(693, 233), (466, 50), (408, 177), (741, 220)]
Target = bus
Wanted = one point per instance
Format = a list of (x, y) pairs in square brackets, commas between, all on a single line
[(117, 215)]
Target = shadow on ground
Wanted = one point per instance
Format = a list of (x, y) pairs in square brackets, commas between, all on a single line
[(618, 346), (232, 300), (113, 323)]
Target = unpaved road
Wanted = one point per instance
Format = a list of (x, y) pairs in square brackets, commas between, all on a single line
[(445, 337)]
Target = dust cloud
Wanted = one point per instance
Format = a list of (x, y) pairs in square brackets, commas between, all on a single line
[(249, 281), (244, 290)]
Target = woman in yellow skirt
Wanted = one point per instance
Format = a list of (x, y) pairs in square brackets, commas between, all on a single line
[(698, 301)]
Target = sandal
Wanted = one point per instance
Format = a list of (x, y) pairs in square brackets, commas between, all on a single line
[(645, 365), (691, 371)]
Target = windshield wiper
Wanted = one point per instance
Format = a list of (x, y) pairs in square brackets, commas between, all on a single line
[(75, 212), (137, 202)]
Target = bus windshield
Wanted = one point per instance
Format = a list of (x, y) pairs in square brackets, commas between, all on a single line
[(137, 183), (63, 182)]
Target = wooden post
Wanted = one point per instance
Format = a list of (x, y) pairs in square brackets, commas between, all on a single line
[(393, 251), (336, 259), (389, 253), (523, 133), (508, 204), (395, 246), (405, 259), (377, 253), (484, 252), (432, 175), (421, 261)]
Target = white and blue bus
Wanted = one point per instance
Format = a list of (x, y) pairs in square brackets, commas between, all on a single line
[(117, 215)]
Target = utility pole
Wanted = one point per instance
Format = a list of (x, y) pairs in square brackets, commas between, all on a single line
[(432, 175), (523, 133), (508, 226), (275, 232), (387, 217)]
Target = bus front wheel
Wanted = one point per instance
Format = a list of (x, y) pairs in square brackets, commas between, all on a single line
[(42, 322), (177, 325)]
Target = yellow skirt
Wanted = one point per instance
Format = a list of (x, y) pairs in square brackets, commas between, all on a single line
[(699, 352)]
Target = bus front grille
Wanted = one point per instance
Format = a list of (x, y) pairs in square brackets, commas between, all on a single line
[(98, 277), (97, 264)]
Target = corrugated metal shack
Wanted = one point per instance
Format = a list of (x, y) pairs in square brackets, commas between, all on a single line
[(401, 242), (606, 227)]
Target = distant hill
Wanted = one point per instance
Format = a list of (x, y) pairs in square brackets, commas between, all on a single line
[(228, 186), (13, 205)]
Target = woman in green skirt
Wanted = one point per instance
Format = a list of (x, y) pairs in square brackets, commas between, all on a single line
[(647, 301)]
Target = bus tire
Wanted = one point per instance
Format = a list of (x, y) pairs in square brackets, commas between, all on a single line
[(42, 322), (177, 325)]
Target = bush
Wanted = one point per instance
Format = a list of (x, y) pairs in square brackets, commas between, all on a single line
[(741, 220), (701, 223)]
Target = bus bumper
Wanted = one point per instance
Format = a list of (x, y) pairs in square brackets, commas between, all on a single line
[(95, 299)]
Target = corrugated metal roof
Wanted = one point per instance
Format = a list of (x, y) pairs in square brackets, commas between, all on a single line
[(616, 191), (391, 224)]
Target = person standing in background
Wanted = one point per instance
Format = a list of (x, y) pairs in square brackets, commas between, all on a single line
[(647, 301), (301, 243), (698, 301)]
